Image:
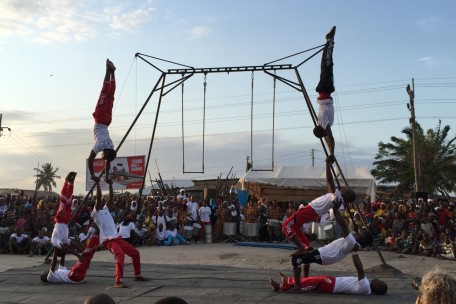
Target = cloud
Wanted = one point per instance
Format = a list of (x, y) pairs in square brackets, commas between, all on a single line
[(427, 61), (61, 21), (432, 24), (199, 32)]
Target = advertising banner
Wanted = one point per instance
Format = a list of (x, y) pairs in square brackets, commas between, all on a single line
[(126, 172)]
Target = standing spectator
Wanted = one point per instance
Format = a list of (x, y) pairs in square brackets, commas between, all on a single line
[(251, 213), (3, 209), (263, 219), (222, 217), (42, 214), (205, 216)]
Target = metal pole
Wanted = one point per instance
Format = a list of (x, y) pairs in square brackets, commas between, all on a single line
[(411, 107)]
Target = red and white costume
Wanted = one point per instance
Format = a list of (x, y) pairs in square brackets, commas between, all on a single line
[(63, 216), (310, 213), (79, 270), (114, 242), (103, 117), (330, 284)]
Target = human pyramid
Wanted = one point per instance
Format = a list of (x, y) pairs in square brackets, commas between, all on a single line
[(106, 232), (334, 199)]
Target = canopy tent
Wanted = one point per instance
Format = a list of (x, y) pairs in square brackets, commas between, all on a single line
[(298, 183), (171, 183)]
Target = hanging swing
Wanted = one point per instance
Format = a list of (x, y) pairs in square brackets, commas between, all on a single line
[(273, 123), (204, 128)]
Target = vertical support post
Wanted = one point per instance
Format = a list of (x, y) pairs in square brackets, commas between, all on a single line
[(411, 107)]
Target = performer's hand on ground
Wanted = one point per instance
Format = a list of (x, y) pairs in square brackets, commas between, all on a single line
[(95, 179)]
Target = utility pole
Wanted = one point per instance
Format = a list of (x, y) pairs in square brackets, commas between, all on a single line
[(411, 107), (312, 154), (1, 127)]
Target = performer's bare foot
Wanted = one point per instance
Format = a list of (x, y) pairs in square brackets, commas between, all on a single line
[(274, 284), (141, 278), (120, 285), (284, 278), (331, 34), (110, 66)]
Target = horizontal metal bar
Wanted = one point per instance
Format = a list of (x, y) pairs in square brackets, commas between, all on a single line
[(233, 69)]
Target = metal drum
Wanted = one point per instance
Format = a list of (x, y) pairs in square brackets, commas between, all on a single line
[(321, 233), (329, 231), (274, 223), (196, 229), (208, 234), (229, 229), (251, 229), (188, 232)]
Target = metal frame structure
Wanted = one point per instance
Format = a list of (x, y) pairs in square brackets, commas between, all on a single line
[(186, 72)]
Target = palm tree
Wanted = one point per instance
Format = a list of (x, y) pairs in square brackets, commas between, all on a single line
[(45, 177), (436, 167)]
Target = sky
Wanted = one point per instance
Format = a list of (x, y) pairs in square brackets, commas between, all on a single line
[(53, 53)]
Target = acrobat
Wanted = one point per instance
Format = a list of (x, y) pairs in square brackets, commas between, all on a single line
[(324, 88), (331, 253), (103, 118), (314, 210), (78, 271), (359, 285), (60, 234)]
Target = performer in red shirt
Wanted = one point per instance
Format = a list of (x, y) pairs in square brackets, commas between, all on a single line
[(60, 238), (103, 118)]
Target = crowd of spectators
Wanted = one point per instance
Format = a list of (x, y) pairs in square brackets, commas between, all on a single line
[(419, 227), (405, 226)]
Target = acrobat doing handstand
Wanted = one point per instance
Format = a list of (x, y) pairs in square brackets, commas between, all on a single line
[(324, 88), (103, 118)]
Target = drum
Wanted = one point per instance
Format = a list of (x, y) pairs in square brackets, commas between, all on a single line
[(329, 231), (321, 233), (188, 232), (208, 234), (274, 223), (229, 229), (196, 229), (251, 229)]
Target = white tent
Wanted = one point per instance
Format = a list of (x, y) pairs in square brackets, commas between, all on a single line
[(296, 183), (172, 183)]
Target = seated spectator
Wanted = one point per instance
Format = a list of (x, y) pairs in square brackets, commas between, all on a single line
[(173, 237), (127, 229), (426, 247), (142, 234), (160, 235), (40, 244), (448, 249), (19, 242)]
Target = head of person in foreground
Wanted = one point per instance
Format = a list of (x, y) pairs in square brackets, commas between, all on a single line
[(437, 287)]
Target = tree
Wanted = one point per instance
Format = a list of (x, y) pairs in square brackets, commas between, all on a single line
[(436, 167), (45, 177)]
